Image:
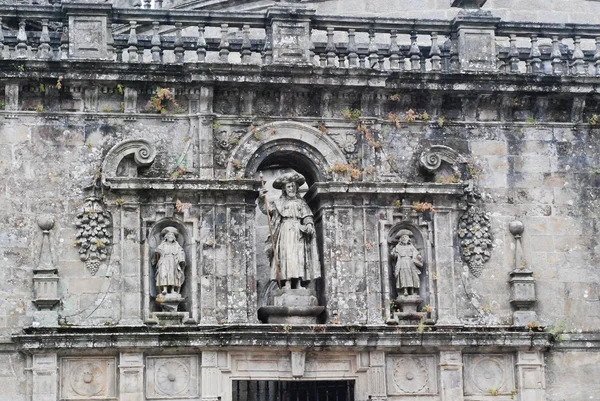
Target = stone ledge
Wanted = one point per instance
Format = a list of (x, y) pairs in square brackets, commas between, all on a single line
[(315, 337)]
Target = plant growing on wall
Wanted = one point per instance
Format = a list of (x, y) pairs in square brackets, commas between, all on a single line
[(94, 236), (162, 99)]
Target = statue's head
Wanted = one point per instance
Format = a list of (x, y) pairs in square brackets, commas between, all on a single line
[(289, 184), (169, 234), (404, 236)]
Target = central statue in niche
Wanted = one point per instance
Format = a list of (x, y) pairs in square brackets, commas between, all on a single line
[(292, 245)]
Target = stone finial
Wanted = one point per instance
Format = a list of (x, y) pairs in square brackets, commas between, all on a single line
[(45, 277), (469, 4)]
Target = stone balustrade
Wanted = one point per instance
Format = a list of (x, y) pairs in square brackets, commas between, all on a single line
[(472, 42)]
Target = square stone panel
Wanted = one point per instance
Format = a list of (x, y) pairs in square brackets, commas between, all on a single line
[(484, 373), (412, 374), (172, 377), (88, 379)]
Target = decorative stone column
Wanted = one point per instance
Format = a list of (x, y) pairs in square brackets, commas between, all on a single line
[(45, 279), (475, 30), (291, 35), (522, 284)]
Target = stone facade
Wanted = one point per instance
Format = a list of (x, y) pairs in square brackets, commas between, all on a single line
[(137, 141)]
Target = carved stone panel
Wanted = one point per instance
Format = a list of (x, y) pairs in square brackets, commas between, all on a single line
[(488, 373), (412, 374), (88, 379), (172, 377), (88, 37)]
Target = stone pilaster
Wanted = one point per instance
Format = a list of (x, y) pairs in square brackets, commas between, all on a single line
[(377, 377), (45, 377), (451, 376), (531, 376), (211, 377), (131, 376)]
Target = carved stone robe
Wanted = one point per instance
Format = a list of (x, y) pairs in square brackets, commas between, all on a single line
[(296, 251), (171, 261), (408, 260)]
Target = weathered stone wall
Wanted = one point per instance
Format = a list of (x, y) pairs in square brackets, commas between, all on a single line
[(180, 142)]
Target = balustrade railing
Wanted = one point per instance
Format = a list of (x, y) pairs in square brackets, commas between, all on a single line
[(162, 36)]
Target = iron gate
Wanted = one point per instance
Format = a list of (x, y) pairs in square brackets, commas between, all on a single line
[(271, 390)]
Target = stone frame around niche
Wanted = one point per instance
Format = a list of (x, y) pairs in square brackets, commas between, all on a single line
[(423, 241), (188, 228)]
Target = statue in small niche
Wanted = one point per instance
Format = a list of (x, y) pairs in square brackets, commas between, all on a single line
[(169, 259), (407, 265)]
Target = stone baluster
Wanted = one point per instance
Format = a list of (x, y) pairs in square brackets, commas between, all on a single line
[(446, 55), (110, 42), (64, 43), (268, 49), (246, 46), (330, 49), (156, 50), (513, 54), (394, 51), (132, 42), (362, 61), (22, 41), (381, 60), (434, 53), (179, 51), (311, 49), (224, 45), (147, 3), (119, 53), (201, 45), (577, 57), (596, 56), (1, 41), (373, 50), (454, 59), (534, 60), (415, 52), (45, 51), (557, 63), (352, 49), (323, 59)]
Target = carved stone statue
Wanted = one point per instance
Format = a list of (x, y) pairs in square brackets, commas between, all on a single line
[(408, 261), (169, 260), (292, 250)]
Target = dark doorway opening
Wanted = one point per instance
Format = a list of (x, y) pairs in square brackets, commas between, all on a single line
[(270, 390)]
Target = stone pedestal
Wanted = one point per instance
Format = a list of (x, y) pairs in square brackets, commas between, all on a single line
[(169, 302), (290, 35), (408, 306), (476, 43), (522, 296), (291, 306)]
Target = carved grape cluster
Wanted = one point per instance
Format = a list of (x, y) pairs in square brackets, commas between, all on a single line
[(94, 236), (475, 235)]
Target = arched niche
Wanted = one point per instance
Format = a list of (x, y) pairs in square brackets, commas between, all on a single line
[(419, 242), (298, 145), (187, 241), (284, 147)]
